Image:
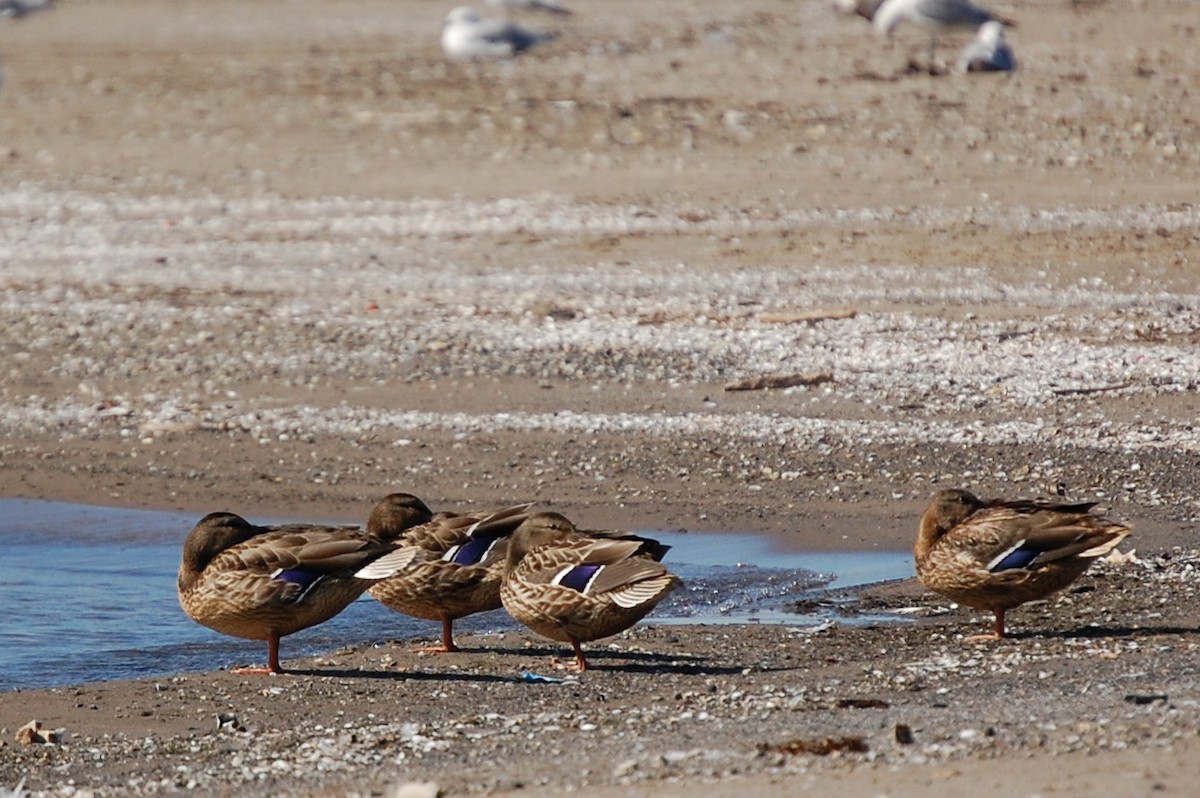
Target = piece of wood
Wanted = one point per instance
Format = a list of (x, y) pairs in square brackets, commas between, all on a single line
[(1095, 389), (780, 381), (808, 316)]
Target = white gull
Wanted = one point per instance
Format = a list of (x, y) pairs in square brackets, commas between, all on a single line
[(988, 51), (863, 8), (468, 35), (936, 16), (23, 8), (548, 6)]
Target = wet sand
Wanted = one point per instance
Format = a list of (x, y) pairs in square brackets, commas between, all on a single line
[(279, 258)]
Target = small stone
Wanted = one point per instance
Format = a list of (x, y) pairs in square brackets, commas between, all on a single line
[(228, 720), (1141, 699), (416, 789), (33, 734)]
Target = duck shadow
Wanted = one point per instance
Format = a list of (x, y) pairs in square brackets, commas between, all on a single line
[(649, 662), (611, 661), (399, 675), (674, 666), (1108, 632)]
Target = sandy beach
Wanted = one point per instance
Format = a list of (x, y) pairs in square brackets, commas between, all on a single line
[(281, 258)]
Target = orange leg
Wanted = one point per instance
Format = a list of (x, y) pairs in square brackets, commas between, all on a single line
[(997, 634), (447, 640), (273, 665), (580, 660)]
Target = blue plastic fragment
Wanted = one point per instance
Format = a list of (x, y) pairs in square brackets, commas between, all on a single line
[(536, 678)]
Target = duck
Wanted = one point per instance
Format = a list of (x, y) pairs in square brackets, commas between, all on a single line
[(996, 555), (267, 582), (577, 586), (456, 562)]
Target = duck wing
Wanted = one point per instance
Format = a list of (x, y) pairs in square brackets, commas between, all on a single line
[(1011, 537)]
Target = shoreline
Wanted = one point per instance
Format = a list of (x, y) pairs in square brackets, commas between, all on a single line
[(135, 552)]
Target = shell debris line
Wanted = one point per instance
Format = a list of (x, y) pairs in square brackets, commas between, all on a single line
[(246, 331)]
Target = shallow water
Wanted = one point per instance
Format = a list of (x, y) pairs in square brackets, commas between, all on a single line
[(90, 594)]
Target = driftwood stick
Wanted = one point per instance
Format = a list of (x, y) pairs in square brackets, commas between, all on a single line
[(807, 316), (1096, 389), (780, 381)]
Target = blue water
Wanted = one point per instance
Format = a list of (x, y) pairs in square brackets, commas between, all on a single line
[(89, 595)]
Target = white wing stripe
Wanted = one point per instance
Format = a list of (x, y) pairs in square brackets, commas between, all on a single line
[(999, 558)]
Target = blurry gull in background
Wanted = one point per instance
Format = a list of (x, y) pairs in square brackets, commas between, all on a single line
[(863, 8), (19, 9), (468, 35), (988, 51), (548, 6), (936, 16), (22, 8)]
